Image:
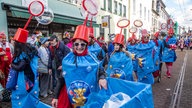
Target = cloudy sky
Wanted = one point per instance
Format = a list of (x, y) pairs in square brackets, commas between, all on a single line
[(180, 10)]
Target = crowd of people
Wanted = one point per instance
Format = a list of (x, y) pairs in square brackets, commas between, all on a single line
[(64, 66), (185, 41)]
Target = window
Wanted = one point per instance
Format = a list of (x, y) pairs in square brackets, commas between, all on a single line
[(134, 7), (148, 15), (115, 7), (140, 10), (153, 4), (124, 11), (74, 1), (103, 4), (120, 9), (145, 13), (109, 5), (158, 6)]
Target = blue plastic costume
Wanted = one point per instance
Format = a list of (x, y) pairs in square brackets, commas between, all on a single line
[(140, 95), (145, 62), (120, 66), (97, 50), (20, 97), (131, 48), (169, 54), (80, 73), (157, 55)]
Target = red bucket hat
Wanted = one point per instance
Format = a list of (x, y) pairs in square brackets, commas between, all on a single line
[(156, 34), (170, 31), (133, 37), (21, 35), (81, 32), (119, 38)]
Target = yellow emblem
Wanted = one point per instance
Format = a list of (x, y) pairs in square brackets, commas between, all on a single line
[(133, 56), (140, 60), (79, 99), (116, 75)]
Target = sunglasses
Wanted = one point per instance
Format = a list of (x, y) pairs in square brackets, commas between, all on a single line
[(146, 37), (82, 44)]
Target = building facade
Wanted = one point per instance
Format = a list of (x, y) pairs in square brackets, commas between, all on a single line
[(112, 11), (67, 15), (159, 16), (141, 10)]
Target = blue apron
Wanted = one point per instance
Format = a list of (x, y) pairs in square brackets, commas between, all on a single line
[(120, 66), (145, 62), (80, 73), (140, 94), (169, 54), (20, 97), (131, 48)]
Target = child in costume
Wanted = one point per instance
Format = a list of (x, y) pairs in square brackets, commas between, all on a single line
[(120, 62)]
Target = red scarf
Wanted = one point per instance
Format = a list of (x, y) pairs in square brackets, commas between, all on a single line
[(156, 42), (52, 48), (144, 42), (168, 38), (81, 54)]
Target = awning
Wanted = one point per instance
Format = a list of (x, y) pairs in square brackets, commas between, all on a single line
[(22, 12)]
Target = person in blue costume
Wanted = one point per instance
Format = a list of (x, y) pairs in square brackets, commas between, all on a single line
[(25, 62), (145, 59), (132, 43), (110, 44), (158, 55), (94, 47), (81, 70), (169, 54), (120, 62)]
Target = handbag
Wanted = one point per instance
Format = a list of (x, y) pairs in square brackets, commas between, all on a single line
[(42, 68), (12, 79)]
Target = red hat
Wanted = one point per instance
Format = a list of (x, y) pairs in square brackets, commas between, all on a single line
[(119, 38), (81, 32), (170, 31), (21, 35), (156, 34), (132, 37), (144, 32), (91, 32), (2, 35)]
